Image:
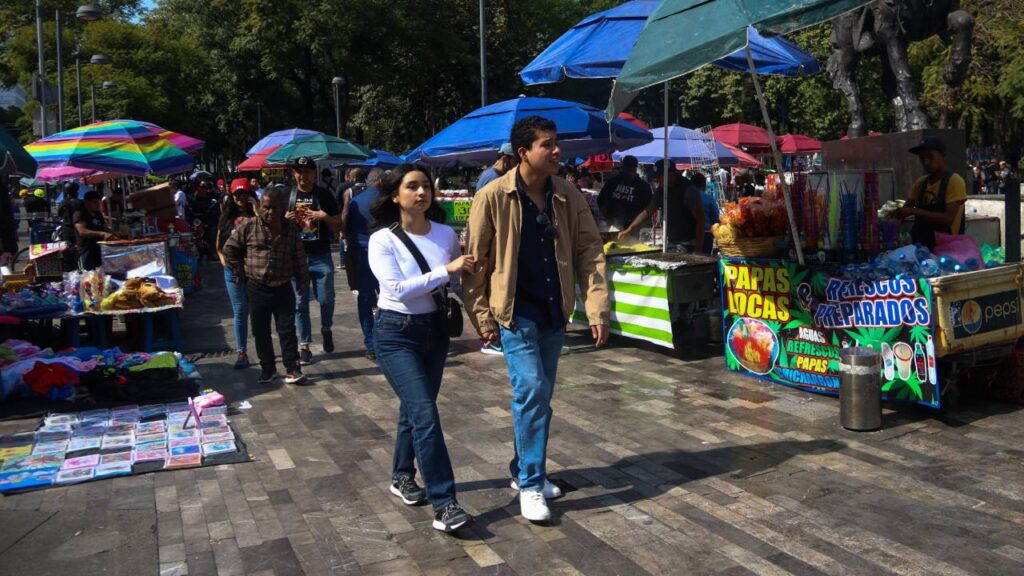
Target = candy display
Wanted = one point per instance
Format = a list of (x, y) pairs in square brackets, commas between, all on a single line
[(751, 217)]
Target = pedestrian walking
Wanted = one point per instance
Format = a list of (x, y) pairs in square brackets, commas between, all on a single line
[(505, 161), (357, 231), (413, 255), (236, 209), (265, 255), (535, 238), (318, 218)]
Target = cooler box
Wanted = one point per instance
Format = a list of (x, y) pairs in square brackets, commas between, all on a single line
[(119, 256), (977, 309)]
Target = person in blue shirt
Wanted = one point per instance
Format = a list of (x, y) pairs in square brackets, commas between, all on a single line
[(506, 160), (357, 231)]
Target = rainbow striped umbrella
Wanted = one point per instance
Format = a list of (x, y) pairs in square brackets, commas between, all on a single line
[(117, 146)]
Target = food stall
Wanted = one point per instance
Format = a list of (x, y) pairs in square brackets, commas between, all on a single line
[(931, 316)]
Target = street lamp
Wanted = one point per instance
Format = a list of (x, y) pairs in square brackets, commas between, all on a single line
[(107, 85), (88, 13), (339, 85), (96, 60)]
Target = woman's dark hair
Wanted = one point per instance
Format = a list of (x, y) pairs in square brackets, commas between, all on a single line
[(385, 212), (229, 211), (525, 132)]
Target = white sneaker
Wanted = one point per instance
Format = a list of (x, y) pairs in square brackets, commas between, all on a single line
[(533, 506), (550, 491)]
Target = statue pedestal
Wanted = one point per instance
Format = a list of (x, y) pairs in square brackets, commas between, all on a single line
[(890, 152)]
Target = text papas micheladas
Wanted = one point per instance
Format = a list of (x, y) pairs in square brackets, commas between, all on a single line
[(881, 304), (756, 291)]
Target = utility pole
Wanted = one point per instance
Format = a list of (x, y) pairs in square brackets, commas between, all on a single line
[(483, 52), (338, 82), (42, 68), (60, 75)]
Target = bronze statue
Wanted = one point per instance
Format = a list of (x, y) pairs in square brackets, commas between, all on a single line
[(886, 27)]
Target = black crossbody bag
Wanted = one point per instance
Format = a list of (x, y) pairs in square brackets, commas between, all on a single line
[(447, 305)]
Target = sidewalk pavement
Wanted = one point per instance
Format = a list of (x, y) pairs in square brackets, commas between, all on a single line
[(670, 466)]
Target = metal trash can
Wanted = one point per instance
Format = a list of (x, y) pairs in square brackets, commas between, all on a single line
[(860, 389)]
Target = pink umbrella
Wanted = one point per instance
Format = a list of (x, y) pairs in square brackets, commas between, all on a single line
[(797, 143), (186, 143), (54, 173)]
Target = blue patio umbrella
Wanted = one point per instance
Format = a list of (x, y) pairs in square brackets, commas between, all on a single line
[(279, 138), (384, 160), (685, 146), (474, 140), (599, 45)]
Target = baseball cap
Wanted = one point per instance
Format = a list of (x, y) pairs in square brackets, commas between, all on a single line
[(23, 193), (929, 143), (240, 184), (506, 149), (303, 162)]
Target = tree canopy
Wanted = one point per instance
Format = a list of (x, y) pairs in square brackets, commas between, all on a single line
[(207, 67)]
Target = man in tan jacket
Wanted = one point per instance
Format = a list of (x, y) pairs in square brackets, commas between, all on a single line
[(535, 238)]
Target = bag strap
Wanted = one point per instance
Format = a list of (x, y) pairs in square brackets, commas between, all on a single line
[(397, 230), (291, 200)]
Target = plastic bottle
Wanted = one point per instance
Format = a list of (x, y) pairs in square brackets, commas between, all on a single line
[(972, 264), (929, 268), (947, 264)]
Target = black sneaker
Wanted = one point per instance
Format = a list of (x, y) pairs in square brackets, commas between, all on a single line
[(267, 376), (406, 488), (370, 356), (451, 518), (294, 376), (305, 357), (328, 336)]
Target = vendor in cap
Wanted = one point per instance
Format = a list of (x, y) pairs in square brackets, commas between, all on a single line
[(936, 201), (314, 210), (36, 204), (685, 217), (505, 161), (90, 229)]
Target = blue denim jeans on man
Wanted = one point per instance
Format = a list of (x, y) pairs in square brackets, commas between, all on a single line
[(411, 350), (366, 284), (239, 309), (321, 276), (532, 357)]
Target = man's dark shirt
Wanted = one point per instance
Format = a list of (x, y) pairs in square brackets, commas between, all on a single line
[(92, 222), (620, 203), (682, 200), (538, 289), (320, 198), (359, 218)]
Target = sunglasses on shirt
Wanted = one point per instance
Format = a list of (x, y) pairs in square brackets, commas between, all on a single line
[(550, 232)]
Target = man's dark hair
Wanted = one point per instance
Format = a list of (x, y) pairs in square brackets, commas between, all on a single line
[(525, 131), (276, 194), (385, 212), (360, 175), (629, 161), (699, 180)]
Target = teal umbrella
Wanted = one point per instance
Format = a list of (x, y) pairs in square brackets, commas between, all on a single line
[(320, 147), (683, 35), (9, 146)]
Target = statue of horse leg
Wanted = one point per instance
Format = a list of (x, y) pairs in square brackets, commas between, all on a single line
[(888, 81), (895, 50), (840, 67), (961, 29)]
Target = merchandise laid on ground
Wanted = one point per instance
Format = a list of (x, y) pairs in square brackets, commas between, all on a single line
[(69, 448), (930, 314)]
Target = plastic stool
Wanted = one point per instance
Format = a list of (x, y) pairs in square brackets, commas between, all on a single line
[(173, 339), (96, 325)]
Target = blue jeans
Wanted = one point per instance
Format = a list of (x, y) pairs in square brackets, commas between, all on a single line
[(532, 357), (411, 351), (321, 276), (366, 284), (239, 309)]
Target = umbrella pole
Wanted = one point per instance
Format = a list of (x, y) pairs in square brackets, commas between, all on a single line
[(664, 177), (794, 232)]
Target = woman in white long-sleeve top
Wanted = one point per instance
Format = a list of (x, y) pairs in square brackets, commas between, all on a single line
[(410, 337)]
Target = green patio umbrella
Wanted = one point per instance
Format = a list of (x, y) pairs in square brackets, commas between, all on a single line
[(320, 147), (683, 35), (24, 163)]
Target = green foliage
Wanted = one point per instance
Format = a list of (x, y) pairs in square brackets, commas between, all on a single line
[(411, 68)]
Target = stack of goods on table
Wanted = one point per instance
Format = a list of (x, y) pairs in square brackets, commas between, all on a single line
[(70, 447), (752, 227), (34, 302), (27, 371), (97, 292)]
